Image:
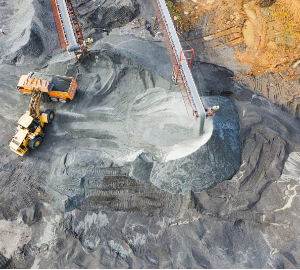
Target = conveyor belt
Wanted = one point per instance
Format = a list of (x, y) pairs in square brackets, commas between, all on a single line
[(191, 88), (64, 25)]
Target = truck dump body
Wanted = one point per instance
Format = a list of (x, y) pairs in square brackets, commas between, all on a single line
[(63, 87), (60, 83), (59, 87)]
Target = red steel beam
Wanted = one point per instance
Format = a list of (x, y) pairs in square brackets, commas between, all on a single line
[(60, 31), (175, 62)]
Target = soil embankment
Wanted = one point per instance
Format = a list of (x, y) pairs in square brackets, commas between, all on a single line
[(258, 40)]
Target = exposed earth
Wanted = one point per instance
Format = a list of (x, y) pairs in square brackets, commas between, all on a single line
[(121, 179), (258, 40)]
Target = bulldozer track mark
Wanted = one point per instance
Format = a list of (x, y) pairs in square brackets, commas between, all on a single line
[(117, 171), (275, 87), (27, 198), (219, 35), (291, 87), (66, 190), (236, 41), (258, 84), (5, 263), (126, 194), (277, 90)]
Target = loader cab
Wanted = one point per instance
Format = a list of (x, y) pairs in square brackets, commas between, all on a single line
[(29, 123), (33, 126)]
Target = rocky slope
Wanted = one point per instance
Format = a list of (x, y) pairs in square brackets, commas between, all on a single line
[(258, 40), (102, 191)]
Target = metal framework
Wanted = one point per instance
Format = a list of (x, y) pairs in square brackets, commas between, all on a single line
[(181, 64), (77, 29), (59, 25), (68, 28), (176, 69)]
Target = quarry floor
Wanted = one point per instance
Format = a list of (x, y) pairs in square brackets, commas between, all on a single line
[(102, 191)]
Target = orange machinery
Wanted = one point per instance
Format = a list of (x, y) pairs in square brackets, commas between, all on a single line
[(56, 87)]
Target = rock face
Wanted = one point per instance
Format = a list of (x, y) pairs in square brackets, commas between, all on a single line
[(102, 190)]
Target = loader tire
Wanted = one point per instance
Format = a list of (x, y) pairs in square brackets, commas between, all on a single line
[(50, 115), (35, 143), (54, 99), (64, 100)]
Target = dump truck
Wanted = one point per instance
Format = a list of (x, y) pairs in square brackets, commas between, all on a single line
[(30, 126), (59, 88)]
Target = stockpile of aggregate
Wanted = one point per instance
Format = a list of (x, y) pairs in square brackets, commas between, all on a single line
[(111, 187)]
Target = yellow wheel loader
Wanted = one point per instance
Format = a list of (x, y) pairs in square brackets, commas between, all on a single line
[(30, 125)]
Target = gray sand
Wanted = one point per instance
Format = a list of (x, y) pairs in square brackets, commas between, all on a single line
[(110, 186)]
